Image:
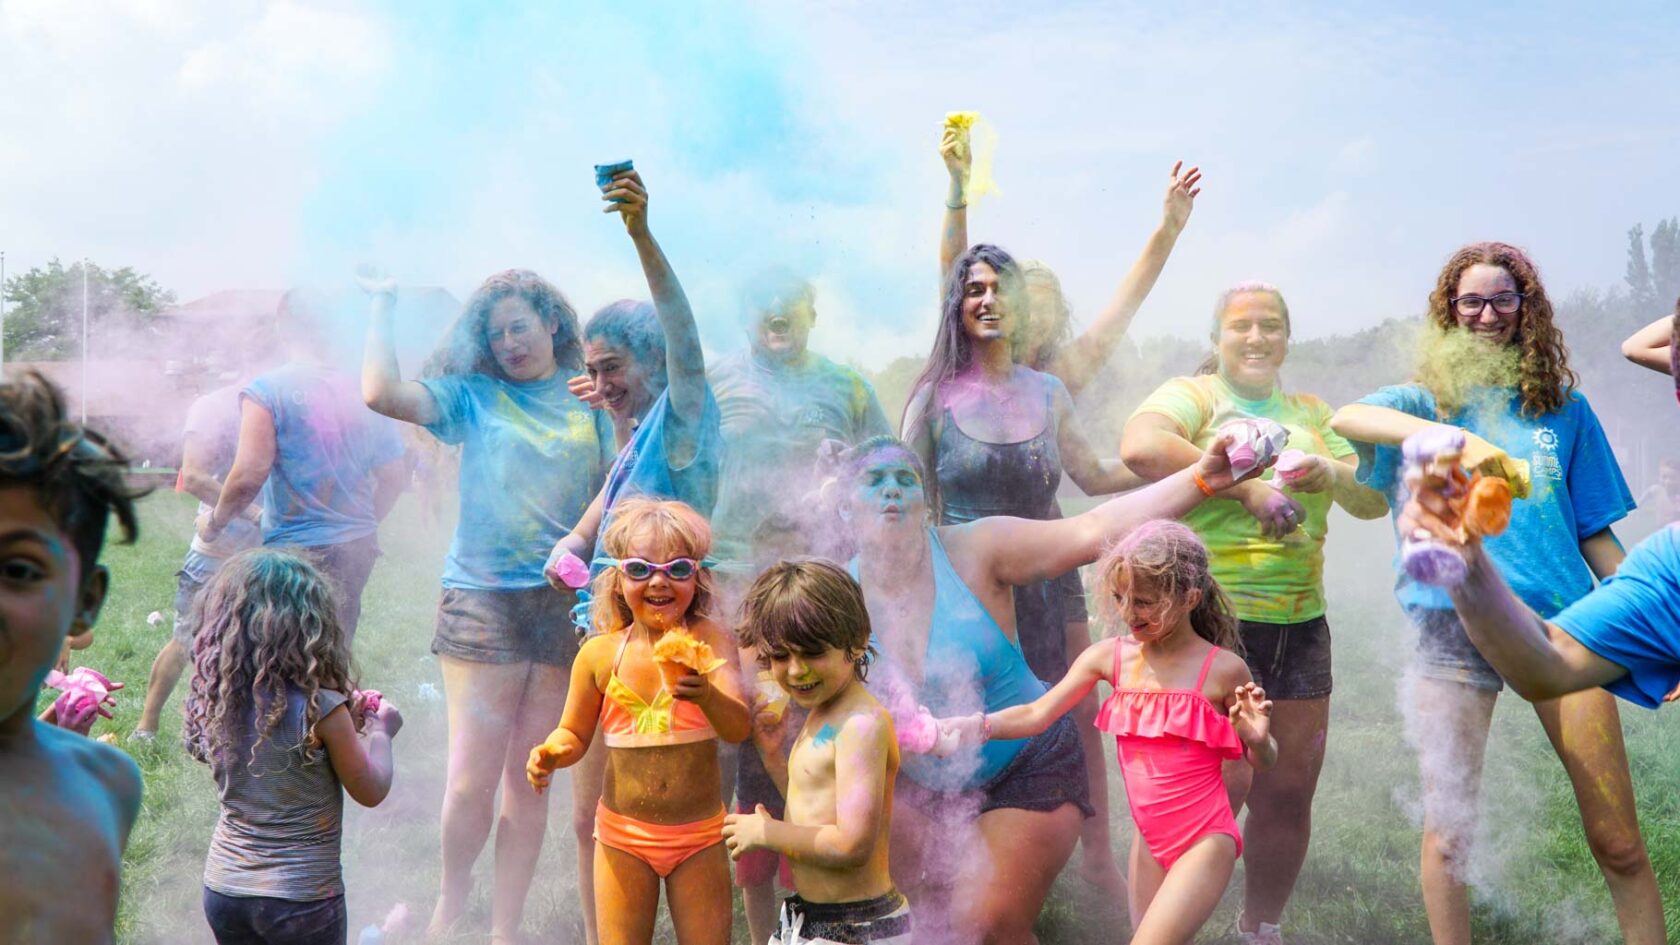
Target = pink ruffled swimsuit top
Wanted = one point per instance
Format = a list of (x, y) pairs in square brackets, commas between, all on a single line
[(1172, 744)]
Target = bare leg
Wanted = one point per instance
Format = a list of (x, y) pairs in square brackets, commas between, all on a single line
[(1279, 824), (1451, 736), (1586, 731), (760, 904), (1189, 893), (1146, 878), (1024, 852), (588, 777), (483, 699), (627, 897), (1097, 863), (702, 910), (166, 675), (524, 812)]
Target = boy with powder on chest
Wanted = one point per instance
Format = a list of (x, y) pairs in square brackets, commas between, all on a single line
[(807, 621), (66, 803)]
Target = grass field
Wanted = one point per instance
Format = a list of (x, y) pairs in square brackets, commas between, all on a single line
[(1359, 885)]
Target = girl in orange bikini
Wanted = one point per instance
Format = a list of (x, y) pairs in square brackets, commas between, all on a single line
[(660, 817)]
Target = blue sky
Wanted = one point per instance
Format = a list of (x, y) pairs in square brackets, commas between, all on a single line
[(1348, 148)]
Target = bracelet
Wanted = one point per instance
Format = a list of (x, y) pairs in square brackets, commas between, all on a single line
[(1201, 483), (986, 725), (958, 206)]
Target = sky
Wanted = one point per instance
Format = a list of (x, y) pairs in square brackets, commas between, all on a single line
[(1347, 148)]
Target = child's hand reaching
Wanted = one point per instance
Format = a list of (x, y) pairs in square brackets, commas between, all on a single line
[(746, 832), (963, 731), (1251, 714), (545, 759)]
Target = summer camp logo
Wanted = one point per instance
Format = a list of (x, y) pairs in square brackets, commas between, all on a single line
[(1545, 461)]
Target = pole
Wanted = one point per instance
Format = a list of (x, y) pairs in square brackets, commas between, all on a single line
[(84, 341)]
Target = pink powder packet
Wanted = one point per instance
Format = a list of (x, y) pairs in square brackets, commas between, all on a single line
[(569, 570), (1291, 465)]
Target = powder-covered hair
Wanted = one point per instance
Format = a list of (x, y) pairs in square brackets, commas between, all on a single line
[(1052, 326), (634, 327), (640, 522), (466, 346), (75, 472), (1210, 365), (1544, 377), (265, 622), (1170, 559), (807, 606)]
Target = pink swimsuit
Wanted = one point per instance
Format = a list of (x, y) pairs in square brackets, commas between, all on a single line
[(1172, 743)]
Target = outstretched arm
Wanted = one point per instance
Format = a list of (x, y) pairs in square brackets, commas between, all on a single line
[(1154, 447), (570, 739), (1080, 361), (953, 237), (1651, 346), (1025, 721), (685, 365), (383, 388)]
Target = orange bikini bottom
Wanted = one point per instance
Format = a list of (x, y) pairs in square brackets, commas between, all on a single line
[(663, 847)]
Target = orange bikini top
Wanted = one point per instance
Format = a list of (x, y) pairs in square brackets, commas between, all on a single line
[(629, 721)]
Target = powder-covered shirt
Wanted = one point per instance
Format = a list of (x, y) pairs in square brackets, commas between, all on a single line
[(1578, 490), (774, 416), (1269, 580), (532, 458), (327, 445), (213, 421), (282, 814), (1633, 620), (645, 467)]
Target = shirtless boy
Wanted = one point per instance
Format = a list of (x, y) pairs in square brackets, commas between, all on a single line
[(806, 618), (66, 803)]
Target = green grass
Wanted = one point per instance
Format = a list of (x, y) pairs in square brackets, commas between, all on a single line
[(1359, 885)]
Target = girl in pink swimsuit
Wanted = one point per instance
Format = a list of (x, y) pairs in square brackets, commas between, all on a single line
[(1183, 704)]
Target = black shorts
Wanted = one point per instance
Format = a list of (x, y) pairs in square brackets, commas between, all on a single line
[(884, 920), (1048, 773), (530, 625), (262, 920), (1289, 660)]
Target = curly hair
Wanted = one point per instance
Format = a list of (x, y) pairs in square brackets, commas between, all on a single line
[(466, 346), (808, 606), (265, 623), (76, 472), (1169, 558), (673, 527), (1544, 378)]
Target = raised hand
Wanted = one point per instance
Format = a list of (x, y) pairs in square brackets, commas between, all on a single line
[(585, 390), (375, 281), (545, 759), (625, 195), (1182, 189), (1251, 714), (746, 832), (955, 151)]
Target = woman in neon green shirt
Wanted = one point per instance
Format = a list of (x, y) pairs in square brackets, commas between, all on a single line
[(1267, 548)]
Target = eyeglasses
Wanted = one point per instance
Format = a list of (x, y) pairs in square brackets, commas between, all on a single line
[(639, 569), (1505, 303)]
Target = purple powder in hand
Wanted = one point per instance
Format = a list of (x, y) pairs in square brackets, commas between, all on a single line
[(1431, 562)]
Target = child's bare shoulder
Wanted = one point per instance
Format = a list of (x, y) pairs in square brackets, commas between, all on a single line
[(866, 718), (1229, 671), (109, 767)]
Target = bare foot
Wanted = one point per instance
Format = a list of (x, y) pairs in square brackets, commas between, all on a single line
[(446, 920)]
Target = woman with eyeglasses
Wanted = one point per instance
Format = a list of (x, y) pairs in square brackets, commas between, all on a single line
[(1510, 387), (1265, 544)]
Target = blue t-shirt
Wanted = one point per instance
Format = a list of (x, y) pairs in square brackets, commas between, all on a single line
[(644, 466), (532, 458), (1634, 619), (1578, 491), (327, 445)]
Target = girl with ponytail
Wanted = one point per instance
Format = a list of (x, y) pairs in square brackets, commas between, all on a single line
[(1183, 704)]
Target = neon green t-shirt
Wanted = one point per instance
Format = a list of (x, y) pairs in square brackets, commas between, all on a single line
[(1269, 580)]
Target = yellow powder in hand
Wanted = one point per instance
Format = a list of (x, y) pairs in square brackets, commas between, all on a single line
[(680, 647), (982, 146)]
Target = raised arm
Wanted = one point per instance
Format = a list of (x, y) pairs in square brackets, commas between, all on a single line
[(1079, 362), (252, 461), (1154, 447), (1029, 719), (383, 388), (685, 365), (1651, 346), (1094, 475), (953, 236)]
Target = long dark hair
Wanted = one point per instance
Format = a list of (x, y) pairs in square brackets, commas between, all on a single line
[(466, 347), (952, 348)]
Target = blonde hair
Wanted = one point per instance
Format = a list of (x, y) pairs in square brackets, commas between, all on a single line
[(670, 524), (266, 621), (1169, 557)]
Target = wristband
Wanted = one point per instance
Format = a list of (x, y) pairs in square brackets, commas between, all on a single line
[(958, 206), (1201, 483), (986, 725)]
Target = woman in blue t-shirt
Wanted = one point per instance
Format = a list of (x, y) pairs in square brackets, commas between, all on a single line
[(532, 457), (1524, 406)]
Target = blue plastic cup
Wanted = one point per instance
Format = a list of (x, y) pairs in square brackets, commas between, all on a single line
[(604, 173)]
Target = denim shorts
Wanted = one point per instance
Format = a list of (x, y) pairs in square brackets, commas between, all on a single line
[(195, 572), (1444, 651), (260, 920), (529, 625), (1289, 660), (1047, 773)]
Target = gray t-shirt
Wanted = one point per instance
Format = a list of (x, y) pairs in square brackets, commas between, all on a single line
[(278, 835)]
